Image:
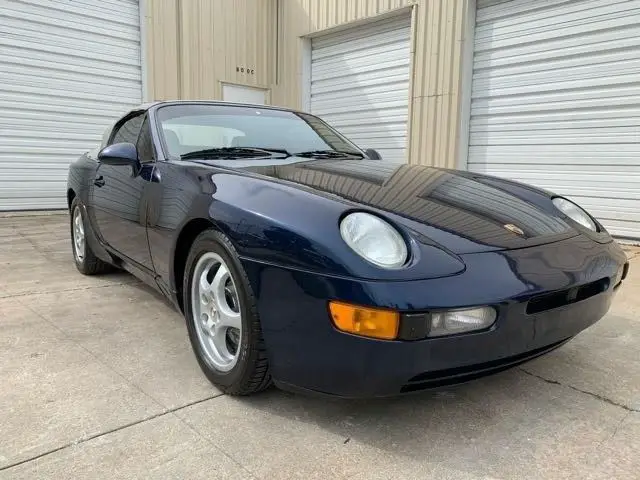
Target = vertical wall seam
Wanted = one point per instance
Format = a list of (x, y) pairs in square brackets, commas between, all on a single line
[(466, 78), (412, 76), (209, 48), (178, 7)]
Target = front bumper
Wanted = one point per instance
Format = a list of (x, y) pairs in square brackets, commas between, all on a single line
[(306, 352)]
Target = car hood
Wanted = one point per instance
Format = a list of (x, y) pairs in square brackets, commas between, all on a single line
[(464, 213)]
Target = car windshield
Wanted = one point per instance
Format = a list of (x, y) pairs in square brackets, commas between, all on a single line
[(190, 129)]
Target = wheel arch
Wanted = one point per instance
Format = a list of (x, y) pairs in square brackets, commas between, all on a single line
[(71, 194), (185, 239)]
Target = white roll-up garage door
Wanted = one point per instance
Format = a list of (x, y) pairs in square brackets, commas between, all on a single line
[(67, 69), (360, 84), (556, 101)]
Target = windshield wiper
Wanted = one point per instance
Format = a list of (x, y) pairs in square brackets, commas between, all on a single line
[(329, 154), (234, 152)]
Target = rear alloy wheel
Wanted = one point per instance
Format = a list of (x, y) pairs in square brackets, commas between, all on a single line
[(77, 228), (84, 258), (222, 317)]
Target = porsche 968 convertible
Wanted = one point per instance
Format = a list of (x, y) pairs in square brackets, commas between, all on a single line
[(300, 259)]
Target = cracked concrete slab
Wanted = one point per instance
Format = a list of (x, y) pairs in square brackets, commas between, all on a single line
[(34, 258), (54, 392), (617, 456), (507, 426), (136, 333), (161, 448), (603, 360), (627, 301), (632, 250), (96, 375)]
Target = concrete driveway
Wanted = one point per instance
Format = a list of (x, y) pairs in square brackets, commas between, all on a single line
[(97, 380)]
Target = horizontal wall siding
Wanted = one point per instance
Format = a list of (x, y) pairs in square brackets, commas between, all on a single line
[(193, 45), (556, 101), (436, 52), (303, 17), (67, 71), (360, 82)]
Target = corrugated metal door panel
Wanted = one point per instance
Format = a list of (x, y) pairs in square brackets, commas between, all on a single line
[(556, 101), (360, 84), (67, 70)]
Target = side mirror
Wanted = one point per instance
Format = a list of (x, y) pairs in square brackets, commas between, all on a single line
[(373, 154), (120, 154)]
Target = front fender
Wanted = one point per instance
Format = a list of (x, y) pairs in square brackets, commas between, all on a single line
[(287, 226)]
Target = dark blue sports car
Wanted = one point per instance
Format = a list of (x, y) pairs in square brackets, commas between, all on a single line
[(299, 259)]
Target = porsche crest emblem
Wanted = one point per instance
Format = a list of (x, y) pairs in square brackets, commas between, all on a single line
[(514, 229)]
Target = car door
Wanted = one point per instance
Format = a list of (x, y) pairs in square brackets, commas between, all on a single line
[(118, 194)]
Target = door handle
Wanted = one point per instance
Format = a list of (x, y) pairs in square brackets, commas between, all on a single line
[(99, 182)]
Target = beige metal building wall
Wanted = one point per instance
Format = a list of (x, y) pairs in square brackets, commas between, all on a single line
[(438, 36), (194, 45)]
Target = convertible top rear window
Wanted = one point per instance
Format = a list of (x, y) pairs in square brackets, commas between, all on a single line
[(195, 127)]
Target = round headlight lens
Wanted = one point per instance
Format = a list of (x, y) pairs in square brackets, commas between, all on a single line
[(374, 240), (575, 213)]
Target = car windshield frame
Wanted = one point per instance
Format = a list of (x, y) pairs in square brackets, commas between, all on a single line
[(343, 145)]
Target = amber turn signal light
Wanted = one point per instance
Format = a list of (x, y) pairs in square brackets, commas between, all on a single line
[(367, 322)]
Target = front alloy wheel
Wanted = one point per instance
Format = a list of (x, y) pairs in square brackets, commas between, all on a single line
[(216, 310), (222, 317)]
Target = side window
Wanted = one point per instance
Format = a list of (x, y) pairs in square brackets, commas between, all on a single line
[(144, 145), (128, 131)]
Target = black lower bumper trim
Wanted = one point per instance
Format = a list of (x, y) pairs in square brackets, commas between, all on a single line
[(453, 376), (433, 380)]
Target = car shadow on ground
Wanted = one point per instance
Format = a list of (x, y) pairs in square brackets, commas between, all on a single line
[(483, 426)]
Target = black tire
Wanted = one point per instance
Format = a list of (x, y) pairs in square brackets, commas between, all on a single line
[(251, 372), (87, 263)]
